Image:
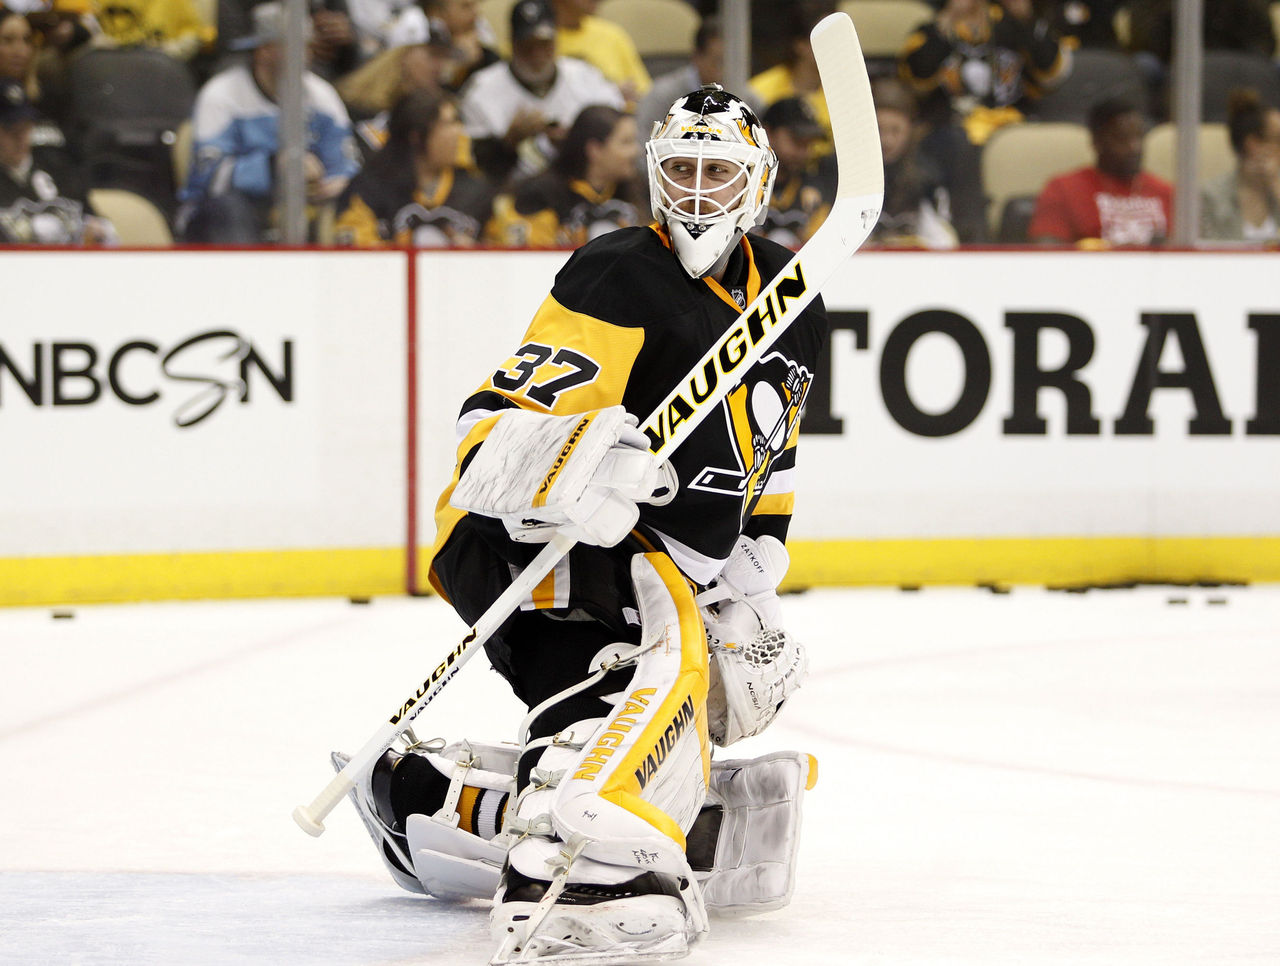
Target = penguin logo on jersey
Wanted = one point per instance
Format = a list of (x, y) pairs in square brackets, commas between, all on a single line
[(761, 416)]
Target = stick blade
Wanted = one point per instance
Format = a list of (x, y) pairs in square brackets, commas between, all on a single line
[(853, 119)]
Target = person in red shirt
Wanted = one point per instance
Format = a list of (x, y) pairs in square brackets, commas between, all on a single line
[(1114, 201)]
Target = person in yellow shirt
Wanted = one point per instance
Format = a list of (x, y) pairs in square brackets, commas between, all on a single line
[(172, 25), (797, 76), (603, 44)]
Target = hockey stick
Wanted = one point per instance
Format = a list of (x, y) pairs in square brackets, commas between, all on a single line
[(859, 196)]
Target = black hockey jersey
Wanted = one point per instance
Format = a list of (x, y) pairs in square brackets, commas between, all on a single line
[(377, 213), (625, 324), (548, 211)]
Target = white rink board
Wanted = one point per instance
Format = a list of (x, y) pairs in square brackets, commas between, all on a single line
[(877, 479), (323, 469), (472, 310)]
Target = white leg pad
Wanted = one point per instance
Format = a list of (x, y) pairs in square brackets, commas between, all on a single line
[(755, 861), (641, 779), (618, 806)]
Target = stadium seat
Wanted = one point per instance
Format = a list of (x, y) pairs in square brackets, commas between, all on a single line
[(1095, 75), (181, 153), (659, 28), (138, 222), (883, 25), (1019, 158), (1160, 149), (125, 105)]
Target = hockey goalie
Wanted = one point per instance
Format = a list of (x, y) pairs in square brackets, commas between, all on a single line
[(608, 834)]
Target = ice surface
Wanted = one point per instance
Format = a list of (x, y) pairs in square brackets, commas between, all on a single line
[(1026, 778)]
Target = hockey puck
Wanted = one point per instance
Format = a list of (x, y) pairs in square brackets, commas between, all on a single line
[(359, 601), (1216, 601), (63, 615), (1176, 600)]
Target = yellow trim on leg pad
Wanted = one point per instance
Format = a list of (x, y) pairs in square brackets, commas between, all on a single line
[(645, 769)]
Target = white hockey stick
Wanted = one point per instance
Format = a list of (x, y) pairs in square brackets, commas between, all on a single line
[(859, 196)]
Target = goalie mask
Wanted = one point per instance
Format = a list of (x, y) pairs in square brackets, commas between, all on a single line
[(711, 172)]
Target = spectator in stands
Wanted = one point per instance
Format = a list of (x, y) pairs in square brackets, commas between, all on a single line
[(1243, 25), (229, 195), (983, 61), (1087, 23), (706, 66), (374, 22), (411, 192), (17, 49), (917, 208), (334, 50), (41, 203), (518, 111), (797, 76), (473, 43), (62, 29), (804, 186), (1239, 25), (1114, 203), (18, 64), (772, 24), (1244, 204), (581, 34), (173, 26), (587, 191), (417, 58)]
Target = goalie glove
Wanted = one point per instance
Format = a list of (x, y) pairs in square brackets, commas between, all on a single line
[(755, 664), (585, 473)]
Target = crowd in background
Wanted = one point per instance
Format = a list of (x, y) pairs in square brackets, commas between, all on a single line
[(427, 125)]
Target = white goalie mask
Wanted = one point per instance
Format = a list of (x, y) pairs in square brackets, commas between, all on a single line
[(711, 173)]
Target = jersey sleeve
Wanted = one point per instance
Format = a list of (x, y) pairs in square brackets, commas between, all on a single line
[(220, 155), (923, 55), (567, 362), (333, 141), (358, 225)]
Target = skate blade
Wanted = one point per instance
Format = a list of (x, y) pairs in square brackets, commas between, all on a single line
[(542, 950), (573, 940)]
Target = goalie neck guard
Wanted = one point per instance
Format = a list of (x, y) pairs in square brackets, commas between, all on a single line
[(711, 173)]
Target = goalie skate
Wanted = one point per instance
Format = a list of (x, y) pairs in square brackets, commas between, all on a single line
[(640, 920)]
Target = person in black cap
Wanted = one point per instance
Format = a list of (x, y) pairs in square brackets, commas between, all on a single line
[(516, 111), (40, 203), (805, 187)]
